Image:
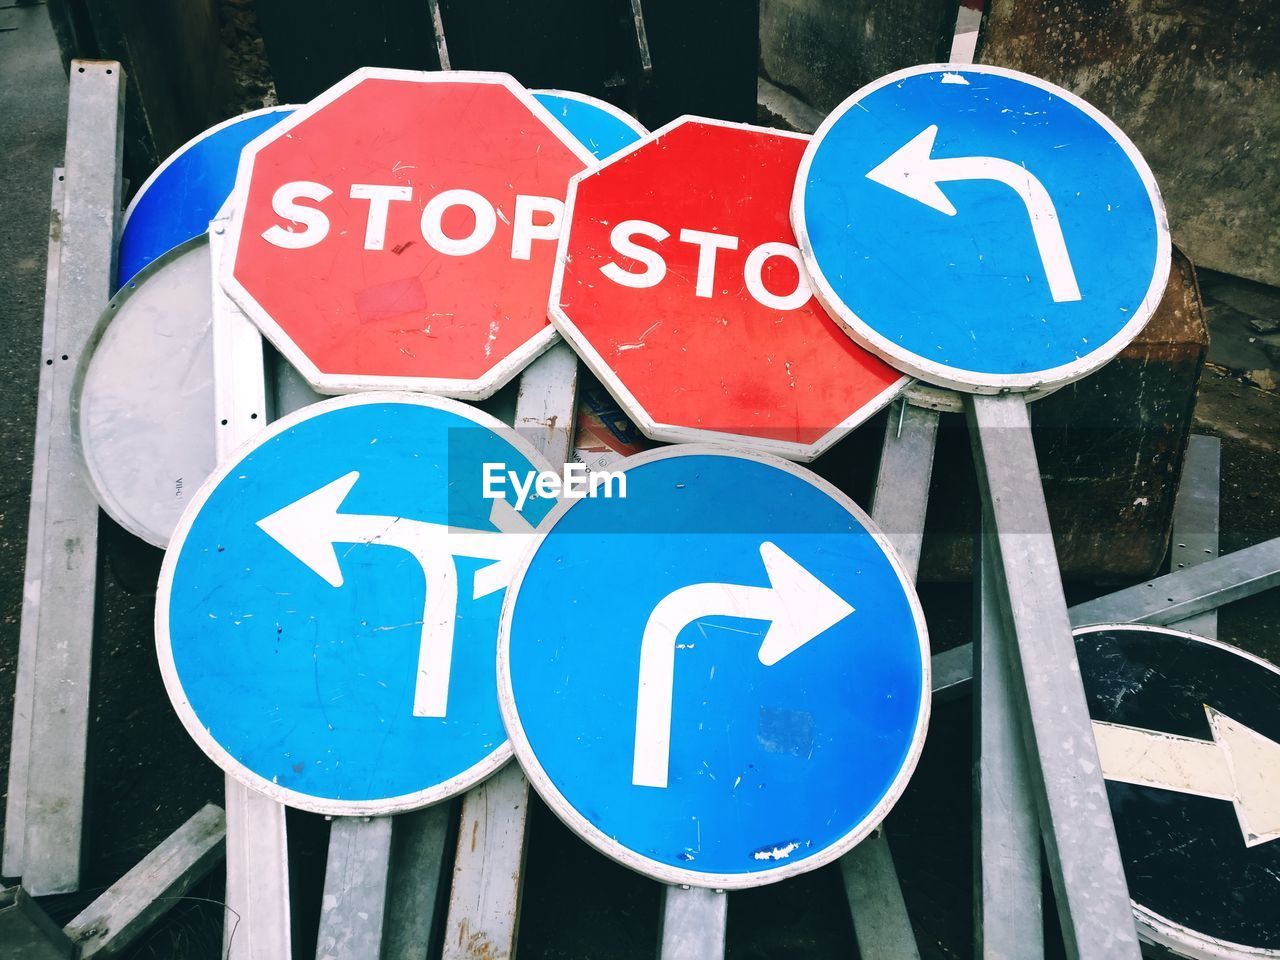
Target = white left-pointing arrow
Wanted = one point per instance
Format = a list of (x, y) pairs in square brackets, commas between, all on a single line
[(311, 526), (1238, 764), (797, 605), (914, 172)]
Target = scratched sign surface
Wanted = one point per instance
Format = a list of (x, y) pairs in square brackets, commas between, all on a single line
[(328, 607), (399, 231), (1188, 734), (680, 284), (981, 228), (720, 679)]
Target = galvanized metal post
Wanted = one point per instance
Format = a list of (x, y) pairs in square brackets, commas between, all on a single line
[(1075, 815), (880, 920), (355, 889), (1164, 601), (484, 901), (129, 907), (693, 923), (58, 736), (1008, 920), (1195, 520), (15, 818), (417, 862), (257, 924)]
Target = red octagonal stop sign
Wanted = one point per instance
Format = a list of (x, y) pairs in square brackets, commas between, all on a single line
[(400, 231), (680, 284)]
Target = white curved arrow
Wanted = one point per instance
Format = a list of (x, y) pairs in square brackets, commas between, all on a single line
[(1238, 764), (310, 527), (912, 171), (798, 605)]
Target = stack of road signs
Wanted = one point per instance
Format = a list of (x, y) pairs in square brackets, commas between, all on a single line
[(710, 662)]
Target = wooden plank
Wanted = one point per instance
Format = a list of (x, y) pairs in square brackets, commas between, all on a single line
[(484, 901), (131, 905), (26, 932), (15, 814), (56, 769)]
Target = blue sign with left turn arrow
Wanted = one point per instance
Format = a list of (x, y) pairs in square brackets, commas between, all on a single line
[(328, 607), (981, 228), (717, 675)]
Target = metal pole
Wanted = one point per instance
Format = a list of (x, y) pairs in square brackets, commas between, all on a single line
[(1195, 520), (15, 818), (1075, 815), (693, 923), (484, 901), (257, 924), (1008, 921), (59, 728), (131, 905), (880, 920)]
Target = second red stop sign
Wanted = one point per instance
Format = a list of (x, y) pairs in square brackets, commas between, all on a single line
[(400, 230), (679, 283)]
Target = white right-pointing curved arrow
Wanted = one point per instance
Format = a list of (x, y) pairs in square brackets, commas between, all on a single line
[(1238, 764), (798, 605), (914, 172)]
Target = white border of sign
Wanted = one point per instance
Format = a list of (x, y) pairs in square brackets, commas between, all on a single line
[(164, 651), (603, 105), (957, 378), (480, 388), (674, 433), (607, 845), (1153, 926), (203, 135), (115, 506)]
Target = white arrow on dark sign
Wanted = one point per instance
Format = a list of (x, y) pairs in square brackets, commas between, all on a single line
[(797, 605), (1238, 764)]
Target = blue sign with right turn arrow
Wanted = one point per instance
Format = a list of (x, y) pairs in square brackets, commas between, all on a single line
[(981, 228), (720, 678)]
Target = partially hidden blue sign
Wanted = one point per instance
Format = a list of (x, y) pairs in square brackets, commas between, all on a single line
[(980, 228), (720, 678), (177, 202), (596, 124), (328, 607)]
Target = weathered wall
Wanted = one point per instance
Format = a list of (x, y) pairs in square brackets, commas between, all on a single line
[(1195, 84), (823, 50)]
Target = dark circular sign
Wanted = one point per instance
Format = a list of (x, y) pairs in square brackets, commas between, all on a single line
[(1188, 733)]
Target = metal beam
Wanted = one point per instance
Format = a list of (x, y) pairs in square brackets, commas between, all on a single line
[(59, 727), (898, 506), (693, 923), (15, 814), (417, 861), (1007, 897), (258, 918), (131, 905), (1163, 601), (484, 900), (1075, 815), (355, 889), (1196, 522)]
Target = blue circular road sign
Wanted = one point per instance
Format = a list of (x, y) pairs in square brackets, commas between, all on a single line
[(185, 192), (980, 228), (596, 124), (328, 608), (713, 668)]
